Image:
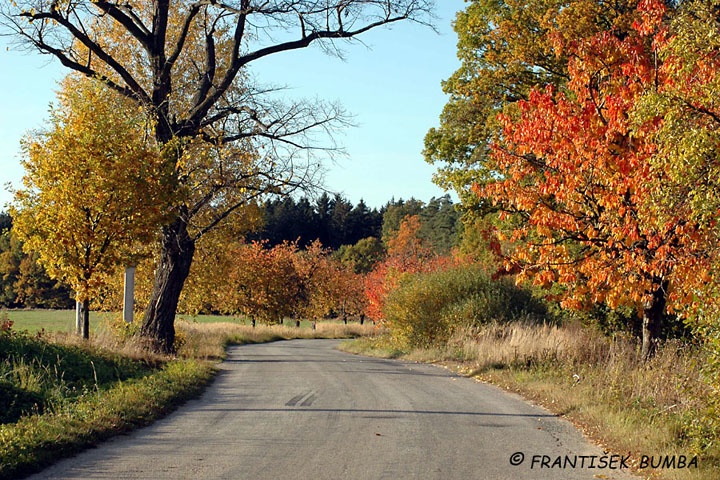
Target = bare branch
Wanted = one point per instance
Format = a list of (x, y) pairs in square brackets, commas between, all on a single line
[(78, 33), (125, 16)]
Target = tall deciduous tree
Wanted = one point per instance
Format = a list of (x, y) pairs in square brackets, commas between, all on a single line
[(579, 181), (91, 190), (183, 62), (504, 47)]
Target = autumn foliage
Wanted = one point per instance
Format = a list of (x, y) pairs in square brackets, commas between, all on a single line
[(270, 284), (92, 193), (578, 179), (407, 254)]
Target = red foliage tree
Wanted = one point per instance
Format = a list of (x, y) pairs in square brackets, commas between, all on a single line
[(579, 181), (407, 254)]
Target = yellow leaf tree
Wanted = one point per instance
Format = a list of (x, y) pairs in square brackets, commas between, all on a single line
[(91, 195)]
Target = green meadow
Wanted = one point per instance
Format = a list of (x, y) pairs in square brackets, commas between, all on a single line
[(63, 321)]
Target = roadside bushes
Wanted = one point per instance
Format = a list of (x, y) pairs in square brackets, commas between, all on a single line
[(427, 308)]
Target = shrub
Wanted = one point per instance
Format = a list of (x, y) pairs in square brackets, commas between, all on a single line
[(427, 308)]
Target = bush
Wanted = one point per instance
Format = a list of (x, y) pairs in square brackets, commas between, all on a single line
[(427, 308)]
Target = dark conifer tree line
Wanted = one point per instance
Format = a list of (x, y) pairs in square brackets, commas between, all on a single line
[(335, 221)]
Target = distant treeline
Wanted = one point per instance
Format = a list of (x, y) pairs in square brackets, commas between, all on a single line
[(23, 282), (333, 220)]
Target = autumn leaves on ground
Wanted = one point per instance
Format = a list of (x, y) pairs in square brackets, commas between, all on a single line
[(580, 267)]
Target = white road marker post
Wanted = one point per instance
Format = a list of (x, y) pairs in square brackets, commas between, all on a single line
[(129, 295), (78, 316)]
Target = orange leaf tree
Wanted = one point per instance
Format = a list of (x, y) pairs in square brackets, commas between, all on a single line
[(328, 286), (577, 181), (262, 283), (407, 253), (271, 284)]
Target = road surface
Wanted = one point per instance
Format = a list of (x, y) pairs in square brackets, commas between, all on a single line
[(303, 410)]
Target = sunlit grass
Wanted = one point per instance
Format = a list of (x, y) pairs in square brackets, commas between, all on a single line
[(51, 320)]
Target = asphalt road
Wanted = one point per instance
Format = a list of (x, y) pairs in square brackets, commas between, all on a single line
[(303, 410)]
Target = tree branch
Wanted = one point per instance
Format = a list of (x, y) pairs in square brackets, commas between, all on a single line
[(124, 15), (133, 90)]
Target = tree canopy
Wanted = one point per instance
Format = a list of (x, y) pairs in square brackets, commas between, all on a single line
[(505, 49), (577, 132)]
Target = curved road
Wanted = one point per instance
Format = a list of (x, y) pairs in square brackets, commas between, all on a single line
[(303, 410)]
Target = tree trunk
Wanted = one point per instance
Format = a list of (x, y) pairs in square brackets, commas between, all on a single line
[(85, 326), (653, 317), (176, 257)]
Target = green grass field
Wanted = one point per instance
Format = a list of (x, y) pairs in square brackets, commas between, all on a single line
[(242, 320), (64, 320), (50, 320)]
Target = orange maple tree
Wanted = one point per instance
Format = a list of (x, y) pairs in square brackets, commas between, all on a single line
[(407, 253), (261, 282), (327, 286), (576, 180)]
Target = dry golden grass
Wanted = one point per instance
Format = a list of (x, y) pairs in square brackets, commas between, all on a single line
[(208, 340), (205, 341), (130, 346)]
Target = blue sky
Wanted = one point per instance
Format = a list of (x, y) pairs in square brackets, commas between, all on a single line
[(390, 84)]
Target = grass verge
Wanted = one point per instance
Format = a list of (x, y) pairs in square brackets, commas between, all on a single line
[(35, 441), (654, 409), (66, 395)]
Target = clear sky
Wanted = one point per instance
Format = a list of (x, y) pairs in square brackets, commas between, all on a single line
[(390, 84)]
